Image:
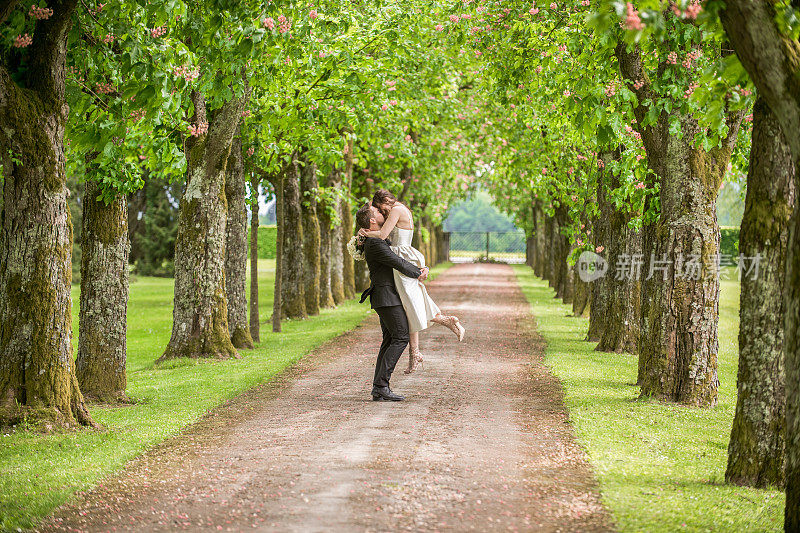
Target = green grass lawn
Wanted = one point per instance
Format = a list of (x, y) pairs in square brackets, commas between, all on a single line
[(39, 472), (661, 467)]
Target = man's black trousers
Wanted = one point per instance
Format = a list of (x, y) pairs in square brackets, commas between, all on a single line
[(394, 325)]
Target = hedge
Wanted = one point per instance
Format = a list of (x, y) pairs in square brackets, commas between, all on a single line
[(729, 241), (267, 237)]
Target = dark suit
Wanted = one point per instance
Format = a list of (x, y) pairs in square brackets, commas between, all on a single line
[(384, 299)]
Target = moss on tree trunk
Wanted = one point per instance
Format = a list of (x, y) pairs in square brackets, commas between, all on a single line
[(102, 350), (311, 233), (236, 248), (37, 372), (200, 312), (756, 448), (293, 293)]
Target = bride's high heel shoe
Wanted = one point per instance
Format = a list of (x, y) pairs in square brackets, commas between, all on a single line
[(454, 325), (414, 359)]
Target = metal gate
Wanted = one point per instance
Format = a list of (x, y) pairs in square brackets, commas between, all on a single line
[(472, 246)]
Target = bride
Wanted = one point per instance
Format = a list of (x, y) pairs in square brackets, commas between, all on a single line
[(421, 310)]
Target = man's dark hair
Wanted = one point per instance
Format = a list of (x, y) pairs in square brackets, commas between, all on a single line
[(364, 215)]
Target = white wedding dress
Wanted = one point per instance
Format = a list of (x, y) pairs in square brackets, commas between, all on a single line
[(419, 307)]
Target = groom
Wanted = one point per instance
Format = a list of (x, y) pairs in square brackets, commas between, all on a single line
[(385, 301)]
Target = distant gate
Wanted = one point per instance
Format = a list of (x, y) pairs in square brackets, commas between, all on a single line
[(505, 246)]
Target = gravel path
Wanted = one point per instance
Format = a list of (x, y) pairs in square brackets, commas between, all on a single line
[(482, 442)]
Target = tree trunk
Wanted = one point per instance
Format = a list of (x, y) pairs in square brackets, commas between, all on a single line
[(679, 347), (552, 258), (255, 333), (326, 260), (601, 233), (580, 300), (540, 268), (293, 294), (348, 268), (278, 183), (37, 375), (564, 276), (682, 344), (622, 304), (361, 276), (200, 313), (443, 242), (104, 297), (791, 352), (530, 254), (311, 233), (338, 251), (771, 58), (236, 248), (645, 290), (756, 449)]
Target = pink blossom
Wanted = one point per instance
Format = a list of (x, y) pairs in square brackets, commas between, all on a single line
[(384, 107), (632, 20), (269, 23), (693, 10), (672, 58), (533, 10), (639, 185), (196, 130), (439, 27), (40, 13), (158, 32), (599, 249), (454, 18), (553, 6), (23, 41), (392, 102), (313, 14)]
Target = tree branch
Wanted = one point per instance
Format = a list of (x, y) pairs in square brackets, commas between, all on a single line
[(771, 59)]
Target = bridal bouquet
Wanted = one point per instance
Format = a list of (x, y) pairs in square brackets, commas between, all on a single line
[(356, 247)]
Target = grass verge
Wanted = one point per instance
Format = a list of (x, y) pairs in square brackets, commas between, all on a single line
[(39, 472), (661, 467)]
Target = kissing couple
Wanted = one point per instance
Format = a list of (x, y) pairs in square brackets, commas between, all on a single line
[(396, 291)]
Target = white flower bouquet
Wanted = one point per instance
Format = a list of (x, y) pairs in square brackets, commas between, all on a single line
[(354, 246)]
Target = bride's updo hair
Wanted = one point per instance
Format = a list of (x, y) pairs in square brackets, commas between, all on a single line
[(382, 196)]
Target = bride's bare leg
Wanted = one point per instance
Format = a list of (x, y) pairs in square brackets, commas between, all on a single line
[(414, 357), (451, 323)]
